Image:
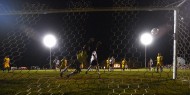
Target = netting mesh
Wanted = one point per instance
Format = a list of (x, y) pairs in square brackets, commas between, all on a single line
[(75, 23)]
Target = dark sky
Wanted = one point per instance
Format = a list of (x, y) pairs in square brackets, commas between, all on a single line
[(98, 25)]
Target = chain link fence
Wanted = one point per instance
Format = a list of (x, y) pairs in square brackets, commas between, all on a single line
[(117, 24)]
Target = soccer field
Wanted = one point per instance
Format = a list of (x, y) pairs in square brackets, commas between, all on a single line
[(129, 82)]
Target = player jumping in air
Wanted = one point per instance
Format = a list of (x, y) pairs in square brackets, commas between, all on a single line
[(93, 62), (6, 63)]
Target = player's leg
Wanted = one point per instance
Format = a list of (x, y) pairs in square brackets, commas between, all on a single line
[(98, 69), (8, 68), (72, 73), (93, 63), (77, 69), (161, 68), (110, 67), (88, 68), (65, 69), (157, 68)]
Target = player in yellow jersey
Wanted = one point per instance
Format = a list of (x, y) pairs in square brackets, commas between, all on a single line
[(6, 63), (81, 58), (159, 63), (123, 63), (108, 63), (63, 64)]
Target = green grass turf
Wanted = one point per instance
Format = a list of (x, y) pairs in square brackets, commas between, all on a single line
[(133, 81)]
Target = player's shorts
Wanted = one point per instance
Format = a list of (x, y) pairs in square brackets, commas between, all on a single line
[(94, 62)]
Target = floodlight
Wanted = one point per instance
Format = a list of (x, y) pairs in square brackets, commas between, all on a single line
[(49, 41), (146, 38)]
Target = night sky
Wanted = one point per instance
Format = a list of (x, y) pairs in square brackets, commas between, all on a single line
[(98, 25)]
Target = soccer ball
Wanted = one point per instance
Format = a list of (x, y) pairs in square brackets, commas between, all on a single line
[(154, 31)]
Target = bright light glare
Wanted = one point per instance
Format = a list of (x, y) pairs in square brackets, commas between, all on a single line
[(146, 38), (49, 40)]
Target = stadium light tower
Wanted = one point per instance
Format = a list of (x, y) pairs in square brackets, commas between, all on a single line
[(49, 41), (146, 39)]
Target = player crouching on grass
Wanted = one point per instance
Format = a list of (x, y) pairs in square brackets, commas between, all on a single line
[(81, 57), (93, 62)]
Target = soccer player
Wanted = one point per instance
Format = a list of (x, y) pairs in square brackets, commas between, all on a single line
[(81, 58), (112, 61), (123, 63), (6, 63), (93, 62), (150, 64), (108, 63), (63, 64), (56, 62), (159, 63)]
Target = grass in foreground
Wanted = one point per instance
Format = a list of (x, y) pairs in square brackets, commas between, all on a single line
[(134, 81)]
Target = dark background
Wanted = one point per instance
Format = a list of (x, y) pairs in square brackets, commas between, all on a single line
[(119, 32)]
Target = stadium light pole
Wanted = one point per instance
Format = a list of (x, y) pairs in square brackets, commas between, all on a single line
[(146, 39), (49, 41)]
